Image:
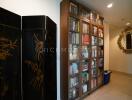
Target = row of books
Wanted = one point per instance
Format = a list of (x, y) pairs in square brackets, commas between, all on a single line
[(100, 32), (101, 62), (74, 68), (93, 83), (73, 38), (95, 18), (85, 65), (84, 88), (73, 52), (100, 51), (85, 39), (73, 8), (84, 52), (94, 72), (101, 42), (84, 13), (84, 76), (95, 30), (74, 25), (94, 40), (94, 51), (94, 63), (74, 81), (73, 93), (85, 28)]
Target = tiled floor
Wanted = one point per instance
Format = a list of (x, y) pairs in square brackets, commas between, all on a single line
[(119, 88)]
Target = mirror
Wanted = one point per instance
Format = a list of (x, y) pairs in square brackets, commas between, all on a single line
[(125, 40)]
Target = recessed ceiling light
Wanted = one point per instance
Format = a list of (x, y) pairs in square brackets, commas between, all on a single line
[(110, 5), (128, 23)]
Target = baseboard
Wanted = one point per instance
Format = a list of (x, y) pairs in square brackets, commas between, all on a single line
[(114, 71)]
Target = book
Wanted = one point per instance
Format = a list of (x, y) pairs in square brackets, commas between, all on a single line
[(85, 77), (94, 51), (85, 28), (77, 38), (84, 88), (101, 62), (93, 63), (73, 38), (73, 93), (95, 30), (85, 14), (93, 83), (84, 52), (94, 72), (100, 51), (101, 41), (93, 17), (74, 68), (94, 40), (74, 25), (100, 21), (85, 39), (73, 52), (84, 65), (100, 32), (73, 8), (73, 81)]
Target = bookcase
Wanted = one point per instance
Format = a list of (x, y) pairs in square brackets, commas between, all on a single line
[(82, 50)]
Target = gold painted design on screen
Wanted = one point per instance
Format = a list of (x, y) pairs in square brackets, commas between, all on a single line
[(37, 81), (5, 46), (38, 47)]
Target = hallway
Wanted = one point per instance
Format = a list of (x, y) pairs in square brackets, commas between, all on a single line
[(119, 88)]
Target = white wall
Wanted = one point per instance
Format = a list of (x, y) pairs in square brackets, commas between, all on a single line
[(119, 61), (106, 46), (50, 8)]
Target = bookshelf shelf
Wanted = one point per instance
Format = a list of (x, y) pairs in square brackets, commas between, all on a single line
[(82, 65)]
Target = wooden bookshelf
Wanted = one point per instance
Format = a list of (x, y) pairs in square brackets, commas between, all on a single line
[(82, 50)]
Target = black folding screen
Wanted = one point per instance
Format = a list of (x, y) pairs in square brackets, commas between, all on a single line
[(10, 32), (38, 78)]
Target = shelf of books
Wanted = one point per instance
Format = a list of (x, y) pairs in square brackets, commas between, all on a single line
[(100, 56), (82, 65), (74, 49), (85, 56)]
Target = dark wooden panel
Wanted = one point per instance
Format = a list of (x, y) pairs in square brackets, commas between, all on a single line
[(39, 64), (64, 49), (9, 18), (10, 74), (50, 61), (33, 59)]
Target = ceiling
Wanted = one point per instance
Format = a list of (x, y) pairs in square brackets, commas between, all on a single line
[(117, 16)]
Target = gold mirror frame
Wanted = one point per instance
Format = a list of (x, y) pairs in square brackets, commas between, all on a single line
[(121, 36)]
